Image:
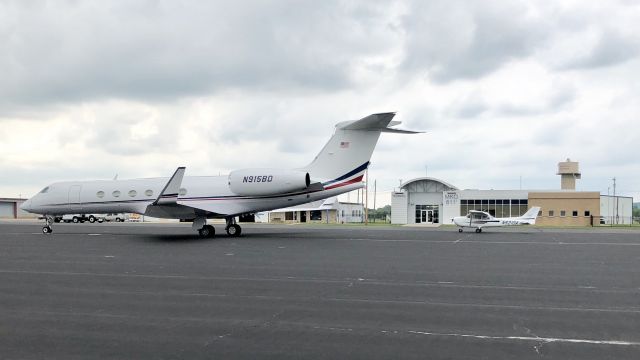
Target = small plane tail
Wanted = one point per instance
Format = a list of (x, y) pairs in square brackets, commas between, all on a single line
[(345, 157), (531, 215)]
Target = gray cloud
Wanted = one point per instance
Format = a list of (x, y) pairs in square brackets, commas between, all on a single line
[(450, 40), (610, 49), (152, 50)]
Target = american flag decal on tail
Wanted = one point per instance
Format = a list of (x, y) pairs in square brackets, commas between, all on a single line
[(344, 144)]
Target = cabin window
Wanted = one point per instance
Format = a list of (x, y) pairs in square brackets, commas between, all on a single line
[(116, 193), (148, 192), (182, 192), (100, 194), (133, 193)]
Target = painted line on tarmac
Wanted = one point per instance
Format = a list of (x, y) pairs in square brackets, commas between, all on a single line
[(531, 338)]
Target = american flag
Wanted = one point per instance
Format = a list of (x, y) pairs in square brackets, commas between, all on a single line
[(344, 144)]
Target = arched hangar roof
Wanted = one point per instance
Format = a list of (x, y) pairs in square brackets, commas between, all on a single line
[(427, 184)]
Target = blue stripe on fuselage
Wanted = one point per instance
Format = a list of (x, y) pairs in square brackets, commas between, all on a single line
[(349, 174)]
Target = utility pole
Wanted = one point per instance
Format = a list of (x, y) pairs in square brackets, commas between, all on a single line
[(374, 199), (615, 200), (366, 201)]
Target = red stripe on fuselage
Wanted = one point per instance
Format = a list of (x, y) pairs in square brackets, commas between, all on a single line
[(352, 181)]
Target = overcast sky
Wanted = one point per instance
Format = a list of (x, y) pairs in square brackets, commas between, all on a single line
[(504, 89)]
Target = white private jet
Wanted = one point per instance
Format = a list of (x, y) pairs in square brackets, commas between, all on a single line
[(337, 169), (479, 219)]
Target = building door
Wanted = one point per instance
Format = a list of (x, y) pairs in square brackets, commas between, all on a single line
[(426, 216), (303, 216), (74, 198)]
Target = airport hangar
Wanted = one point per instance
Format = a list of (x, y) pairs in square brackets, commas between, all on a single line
[(427, 200)]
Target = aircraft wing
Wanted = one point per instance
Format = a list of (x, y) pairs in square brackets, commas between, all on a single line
[(169, 194)]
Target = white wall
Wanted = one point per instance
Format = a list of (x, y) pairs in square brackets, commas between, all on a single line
[(608, 209), (399, 208)]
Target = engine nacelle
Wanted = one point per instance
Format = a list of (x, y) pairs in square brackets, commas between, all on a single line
[(251, 182)]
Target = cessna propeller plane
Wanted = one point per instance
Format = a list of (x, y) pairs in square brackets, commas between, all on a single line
[(479, 219), (337, 169)]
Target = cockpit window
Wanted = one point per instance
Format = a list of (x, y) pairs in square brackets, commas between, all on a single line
[(44, 190)]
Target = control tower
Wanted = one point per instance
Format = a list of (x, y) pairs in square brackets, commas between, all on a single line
[(569, 171)]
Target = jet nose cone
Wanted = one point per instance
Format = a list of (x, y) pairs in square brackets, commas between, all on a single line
[(26, 206)]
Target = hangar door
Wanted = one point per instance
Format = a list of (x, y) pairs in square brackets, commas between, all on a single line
[(6, 210)]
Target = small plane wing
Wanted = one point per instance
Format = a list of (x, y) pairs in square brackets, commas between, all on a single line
[(169, 195)]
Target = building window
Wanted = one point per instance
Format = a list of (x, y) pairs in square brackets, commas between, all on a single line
[(574, 213), (587, 213), (550, 213), (540, 213), (315, 215), (116, 193), (100, 194), (563, 213), (288, 215), (133, 193), (148, 192)]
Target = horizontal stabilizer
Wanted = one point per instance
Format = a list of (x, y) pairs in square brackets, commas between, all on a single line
[(169, 194), (371, 122), (376, 122), (400, 131)]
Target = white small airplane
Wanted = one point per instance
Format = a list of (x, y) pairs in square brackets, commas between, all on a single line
[(479, 219), (337, 169)]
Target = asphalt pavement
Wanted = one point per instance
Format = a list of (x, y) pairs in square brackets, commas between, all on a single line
[(157, 291)]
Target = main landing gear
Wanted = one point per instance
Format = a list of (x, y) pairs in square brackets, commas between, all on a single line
[(233, 229), (47, 229), (479, 230), (204, 230)]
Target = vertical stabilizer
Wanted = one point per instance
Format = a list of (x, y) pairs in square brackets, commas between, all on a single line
[(346, 155)]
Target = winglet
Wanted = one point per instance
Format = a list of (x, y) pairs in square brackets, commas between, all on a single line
[(169, 195)]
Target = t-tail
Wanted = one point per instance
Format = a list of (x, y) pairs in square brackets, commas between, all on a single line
[(531, 215), (346, 156)]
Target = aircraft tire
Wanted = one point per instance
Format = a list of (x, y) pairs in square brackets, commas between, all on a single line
[(234, 230), (460, 230), (75, 219), (207, 231), (478, 230), (92, 219), (47, 230)]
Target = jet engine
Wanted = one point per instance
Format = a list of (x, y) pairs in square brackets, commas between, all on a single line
[(257, 182)]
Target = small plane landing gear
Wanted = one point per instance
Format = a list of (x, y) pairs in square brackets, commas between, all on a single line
[(460, 230), (479, 230), (232, 228), (47, 229)]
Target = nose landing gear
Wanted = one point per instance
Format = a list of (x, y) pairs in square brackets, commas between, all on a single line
[(479, 230), (47, 229)]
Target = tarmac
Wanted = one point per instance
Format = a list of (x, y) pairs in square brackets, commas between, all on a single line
[(157, 291)]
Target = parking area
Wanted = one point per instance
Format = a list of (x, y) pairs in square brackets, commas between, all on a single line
[(159, 291)]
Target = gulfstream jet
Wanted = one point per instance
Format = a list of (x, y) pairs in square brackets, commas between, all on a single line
[(479, 219), (337, 169)]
